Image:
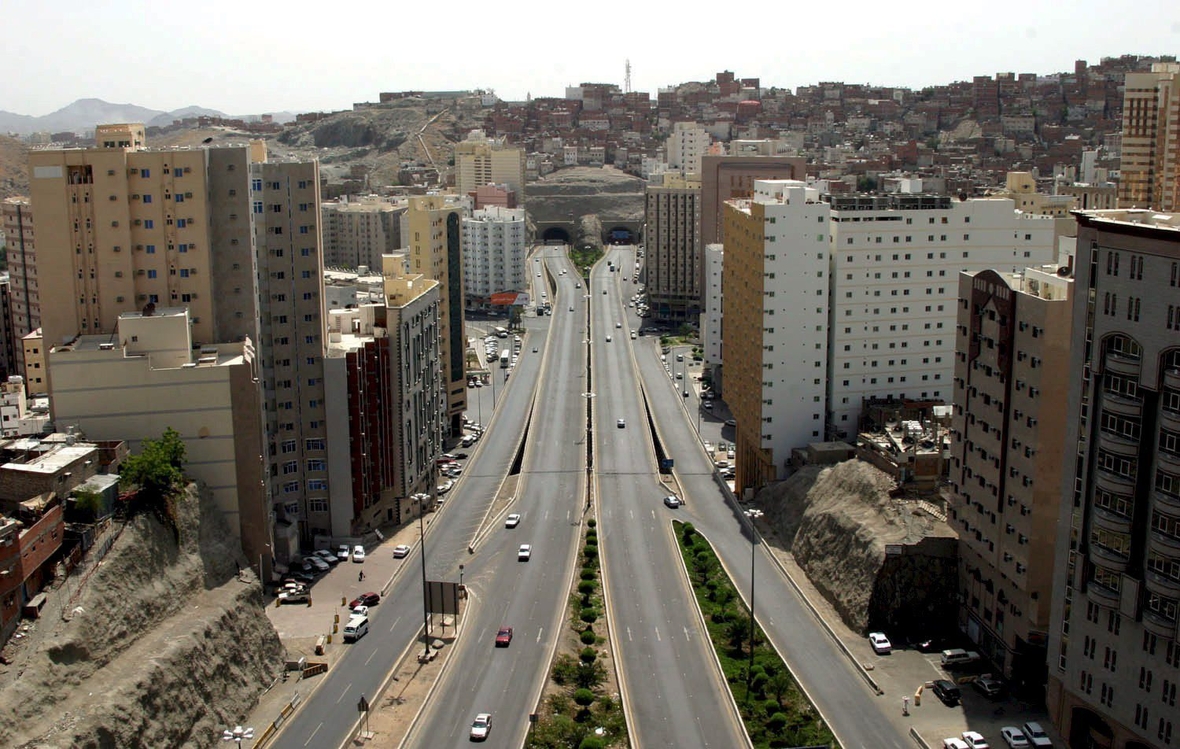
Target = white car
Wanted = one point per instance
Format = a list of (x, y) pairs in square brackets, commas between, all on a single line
[(608, 339), (401, 550), (361, 610), (343, 553), (1014, 737), (512, 520), (618, 324), (880, 643), (358, 553), (954, 743), (1036, 735), (481, 727), (524, 553), (975, 740), (621, 423), (632, 335), (672, 501)]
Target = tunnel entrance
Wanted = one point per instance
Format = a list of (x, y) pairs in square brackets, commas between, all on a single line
[(555, 235)]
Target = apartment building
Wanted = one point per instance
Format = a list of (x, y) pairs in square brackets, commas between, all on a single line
[(726, 177), (1150, 165), (359, 231), (495, 243), (894, 271), (776, 317), (480, 161), (712, 307), (292, 338), (433, 232), (1021, 187), (685, 146), (1114, 648), (16, 216), (1007, 447), (674, 268), (145, 377), (9, 339)]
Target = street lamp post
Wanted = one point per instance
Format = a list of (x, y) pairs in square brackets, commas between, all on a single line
[(237, 733), (460, 576), (422, 548), (753, 515)]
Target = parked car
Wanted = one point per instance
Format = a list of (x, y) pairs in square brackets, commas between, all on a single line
[(947, 692), (512, 520), (953, 743), (343, 553), (988, 685), (880, 643), (621, 423), (975, 740), (358, 553), (481, 727), (327, 556), (524, 553), (504, 637), (361, 610), (295, 595), (931, 644), (365, 599), (672, 501), (401, 550), (956, 657), (1036, 735), (1014, 737)]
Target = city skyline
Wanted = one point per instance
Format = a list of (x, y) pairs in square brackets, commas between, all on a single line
[(334, 70)]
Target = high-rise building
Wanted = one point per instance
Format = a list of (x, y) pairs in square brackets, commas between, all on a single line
[(1150, 165), (1114, 648), (712, 309), (494, 247), (433, 232), (1007, 449), (481, 161), (775, 327), (358, 232), (16, 214), (894, 283), (384, 394), (674, 269), (685, 146)]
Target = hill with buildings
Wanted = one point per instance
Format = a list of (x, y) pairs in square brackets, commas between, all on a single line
[(14, 167)]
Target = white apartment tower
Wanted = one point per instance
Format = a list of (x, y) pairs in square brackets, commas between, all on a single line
[(494, 247), (894, 271), (711, 312), (686, 144)]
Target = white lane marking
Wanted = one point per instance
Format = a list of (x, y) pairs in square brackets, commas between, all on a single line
[(629, 638), (313, 733), (686, 635), (661, 639), (346, 688), (367, 660), (539, 632), (395, 621)]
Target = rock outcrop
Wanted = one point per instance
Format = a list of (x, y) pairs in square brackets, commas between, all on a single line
[(882, 563), (166, 645)]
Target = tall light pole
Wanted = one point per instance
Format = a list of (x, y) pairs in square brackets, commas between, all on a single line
[(753, 515), (237, 733), (422, 498)]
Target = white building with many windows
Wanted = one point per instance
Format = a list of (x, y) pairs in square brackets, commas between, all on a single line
[(711, 307), (686, 144), (895, 262), (494, 248)]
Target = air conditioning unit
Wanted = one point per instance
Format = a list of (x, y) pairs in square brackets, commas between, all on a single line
[(135, 196), (115, 224), (116, 248), (140, 272), (132, 172), (192, 271), (188, 195), (110, 172), (113, 198), (140, 297), (192, 296), (188, 169), (118, 274), (138, 222), (139, 247)]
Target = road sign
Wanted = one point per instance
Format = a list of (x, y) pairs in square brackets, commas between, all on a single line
[(363, 705)]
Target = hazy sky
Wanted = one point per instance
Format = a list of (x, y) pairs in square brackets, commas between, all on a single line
[(250, 57)]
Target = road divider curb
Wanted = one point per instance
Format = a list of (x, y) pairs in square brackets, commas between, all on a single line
[(460, 627)]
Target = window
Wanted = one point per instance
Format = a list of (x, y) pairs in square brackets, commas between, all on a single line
[(317, 485), (181, 222), (147, 198), (316, 465), (290, 487), (317, 504), (313, 443), (151, 274), (149, 224)]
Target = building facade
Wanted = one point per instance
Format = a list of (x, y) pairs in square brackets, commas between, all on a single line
[(674, 268), (358, 232), (685, 146), (1007, 449), (494, 247), (727, 177), (713, 308), (480, 161), (1114, 649), (894, 285), (1150, 165), (16, 215), (775, 327)]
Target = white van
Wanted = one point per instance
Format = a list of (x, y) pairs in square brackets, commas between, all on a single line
[(357, 627), (958, 657)]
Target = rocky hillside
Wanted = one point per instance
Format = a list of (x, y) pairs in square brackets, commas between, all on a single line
[(582, 190), (165, 646), (838, 521), (14, 167)]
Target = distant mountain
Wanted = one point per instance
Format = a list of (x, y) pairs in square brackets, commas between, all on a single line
[(84, 114), (166, 118)]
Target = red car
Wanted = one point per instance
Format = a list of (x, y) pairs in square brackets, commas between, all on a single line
[(504, 637), (365, 599)]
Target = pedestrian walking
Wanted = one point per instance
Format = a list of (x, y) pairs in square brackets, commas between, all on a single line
[(361, 576)]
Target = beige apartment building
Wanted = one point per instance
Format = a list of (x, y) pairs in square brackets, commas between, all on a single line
[(1150, 165), (36, 364), (1007, 448), (726, 177), (674, 249), (16, 216), (1114, 648), (481, 161), (433, 233), (145, 377), (357, 232)]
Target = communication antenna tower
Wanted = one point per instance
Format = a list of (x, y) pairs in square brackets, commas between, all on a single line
[(627, 79)]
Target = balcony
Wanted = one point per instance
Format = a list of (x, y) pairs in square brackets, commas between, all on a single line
[(1172, 378), (1123, 365), (1111, 521), (1117, 443), (1122, 405), (1168, 503), (1113, 482), (1162, 543), (1170, 419), (1102, 595), (1170, 462), (1163, 585), (1109, 559), (1157, 624)]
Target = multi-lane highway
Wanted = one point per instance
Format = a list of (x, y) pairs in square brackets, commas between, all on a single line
[(675, 693), (531, 596)]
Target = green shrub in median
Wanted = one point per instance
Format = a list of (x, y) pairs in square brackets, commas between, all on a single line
[(774, 709)]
